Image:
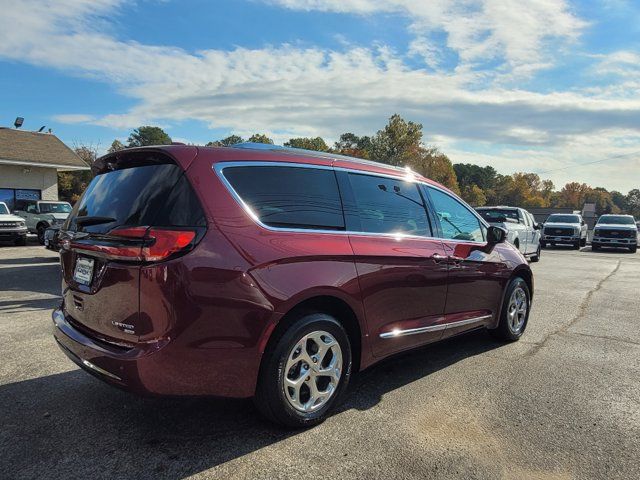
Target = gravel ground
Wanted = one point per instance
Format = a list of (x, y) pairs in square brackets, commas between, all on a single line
[(564, 402)]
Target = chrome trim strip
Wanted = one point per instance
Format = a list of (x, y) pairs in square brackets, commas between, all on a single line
[(219, 167), (433, 328)]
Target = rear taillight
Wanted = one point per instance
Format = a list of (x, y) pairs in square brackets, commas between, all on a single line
[(143, 244)]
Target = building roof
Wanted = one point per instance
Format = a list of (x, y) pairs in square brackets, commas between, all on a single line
[(21, 147)]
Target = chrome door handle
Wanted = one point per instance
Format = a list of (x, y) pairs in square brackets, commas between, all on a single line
[(436, 257)]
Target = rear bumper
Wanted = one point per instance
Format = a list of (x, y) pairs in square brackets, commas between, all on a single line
[(160, 368)]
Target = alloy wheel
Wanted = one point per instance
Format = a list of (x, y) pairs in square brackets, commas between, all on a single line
[(517, 310), (313, 371)]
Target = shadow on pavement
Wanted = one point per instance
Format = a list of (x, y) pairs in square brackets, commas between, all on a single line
[(70, 425), (29, 260)]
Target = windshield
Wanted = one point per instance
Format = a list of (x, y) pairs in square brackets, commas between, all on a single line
[(555, 218), (616, 220), (3, 209), (55, 208), (494, 214)]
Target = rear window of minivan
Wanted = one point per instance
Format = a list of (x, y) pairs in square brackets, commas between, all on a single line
[(149, 195), (289, 197)]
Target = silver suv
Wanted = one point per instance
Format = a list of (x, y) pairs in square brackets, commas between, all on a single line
[(564, 229), (42, 214)]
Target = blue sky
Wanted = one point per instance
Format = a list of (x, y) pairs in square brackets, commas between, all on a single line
[(523, 85)]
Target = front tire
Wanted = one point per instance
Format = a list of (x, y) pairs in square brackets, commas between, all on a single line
[(514, 314), (305, 372), (576, 246), (633, 249)]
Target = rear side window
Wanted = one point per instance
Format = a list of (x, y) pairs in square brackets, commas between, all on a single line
[(386, 205), (289, 197), (456, 221), (152, 195)]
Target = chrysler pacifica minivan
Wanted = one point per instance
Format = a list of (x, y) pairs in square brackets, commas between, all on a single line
[(272, 273)]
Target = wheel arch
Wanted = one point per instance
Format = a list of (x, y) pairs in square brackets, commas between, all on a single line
[(330, 305), (524, 272)]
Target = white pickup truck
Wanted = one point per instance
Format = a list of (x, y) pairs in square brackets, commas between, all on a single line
[(522, 229), (564, 229), (42, 214)]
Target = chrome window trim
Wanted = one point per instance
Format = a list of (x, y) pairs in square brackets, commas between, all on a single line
[(408, 177), (433, 328)]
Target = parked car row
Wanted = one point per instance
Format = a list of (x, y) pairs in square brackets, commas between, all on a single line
[(616, 231)]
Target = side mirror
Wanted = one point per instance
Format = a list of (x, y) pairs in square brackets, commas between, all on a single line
[(496, 235)]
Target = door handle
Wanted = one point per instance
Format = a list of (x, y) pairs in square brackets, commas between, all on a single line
[(436, 257)]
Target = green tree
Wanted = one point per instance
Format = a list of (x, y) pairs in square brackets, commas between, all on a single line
[(633, 202), (260, 138), (620, 201), (308, 143), (602, 198), (148, 135), (431, 163), (226, 142), (474, 195), (353, 145), (116, 146), (398, 143), (72, 184), (469, 174), (573, 195)]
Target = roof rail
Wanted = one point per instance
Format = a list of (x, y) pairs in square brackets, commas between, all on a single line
[(312, 153)]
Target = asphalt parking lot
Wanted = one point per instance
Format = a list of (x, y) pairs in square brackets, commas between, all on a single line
[(562, 403)]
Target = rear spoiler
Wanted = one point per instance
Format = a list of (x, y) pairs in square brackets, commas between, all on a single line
[(182, 155)]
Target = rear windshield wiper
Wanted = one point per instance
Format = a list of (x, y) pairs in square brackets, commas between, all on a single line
[(88, 221)]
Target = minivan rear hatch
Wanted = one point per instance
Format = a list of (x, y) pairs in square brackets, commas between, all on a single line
[(139, 209)]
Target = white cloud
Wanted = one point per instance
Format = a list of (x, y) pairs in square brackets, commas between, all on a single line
[(289, 91), (478, 30), (74, 118)]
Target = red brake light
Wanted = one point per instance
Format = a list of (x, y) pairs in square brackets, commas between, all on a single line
[(155, 243), (166, 242)]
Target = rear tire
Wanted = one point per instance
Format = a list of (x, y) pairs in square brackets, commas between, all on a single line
[(41, 229), (536, 257), (285, 393), (514, 314)]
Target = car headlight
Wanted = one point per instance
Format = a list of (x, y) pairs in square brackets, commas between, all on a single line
[(21, 224)]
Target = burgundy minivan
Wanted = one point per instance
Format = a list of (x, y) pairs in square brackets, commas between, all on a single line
[(273, 273)]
